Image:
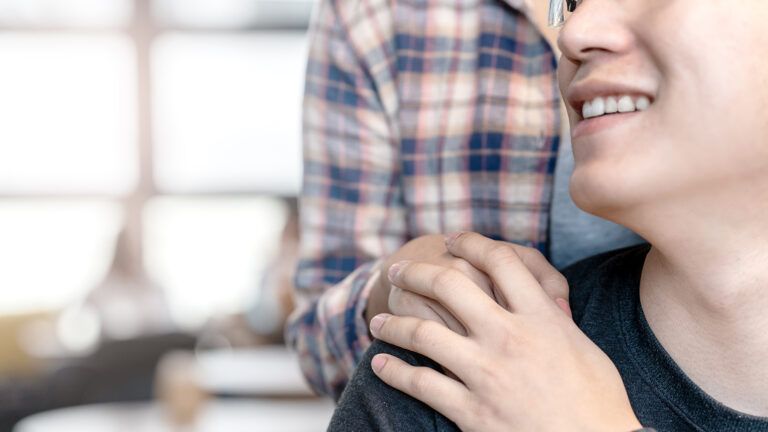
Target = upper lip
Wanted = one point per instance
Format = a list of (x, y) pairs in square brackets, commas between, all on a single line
[(586, 90)]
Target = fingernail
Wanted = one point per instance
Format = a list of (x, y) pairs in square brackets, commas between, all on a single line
[(378, 362), (450, 238), (377, 322), (394, 269)]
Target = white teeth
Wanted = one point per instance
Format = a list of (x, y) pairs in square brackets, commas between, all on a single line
[(598, 107), (642, 103), (614, 104), (626, 104)]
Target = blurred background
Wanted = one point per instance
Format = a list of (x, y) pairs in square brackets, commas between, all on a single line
[(150, 160)]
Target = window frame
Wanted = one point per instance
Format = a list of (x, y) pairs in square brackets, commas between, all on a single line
[(142, 29)]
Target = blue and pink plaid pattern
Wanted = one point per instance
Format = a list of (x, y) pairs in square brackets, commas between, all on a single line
[(420, 116)]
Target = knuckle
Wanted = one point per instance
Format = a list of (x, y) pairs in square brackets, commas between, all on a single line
[(422, 333), (533, 257), (444, 280), (512, 338), (457, 263), (463, 266), (419, 383), (556, 285), (502, 253), (487, 372), (559, 281), (465, 240), (460, 237), (531, 252)]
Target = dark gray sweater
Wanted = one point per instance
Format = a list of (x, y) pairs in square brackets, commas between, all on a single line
[(606, 306)]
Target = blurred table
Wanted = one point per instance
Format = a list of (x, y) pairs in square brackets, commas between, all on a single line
[(229, 415), (259, 372)]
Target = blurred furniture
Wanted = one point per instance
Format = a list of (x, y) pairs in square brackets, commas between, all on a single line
[(229, 415), (263, 372), (118, 371), (15, 360), (258, 389)]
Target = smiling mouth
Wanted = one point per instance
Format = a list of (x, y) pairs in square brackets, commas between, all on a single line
[(619, 104)]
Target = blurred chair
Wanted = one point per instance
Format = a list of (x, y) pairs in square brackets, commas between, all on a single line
[(116, 371)]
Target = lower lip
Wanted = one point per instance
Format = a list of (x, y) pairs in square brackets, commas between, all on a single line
[(599, 124)]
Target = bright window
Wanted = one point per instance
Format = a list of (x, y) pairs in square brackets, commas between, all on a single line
[(68, 114), (53, 251), (177, 118), (210, 253), (228, 112)]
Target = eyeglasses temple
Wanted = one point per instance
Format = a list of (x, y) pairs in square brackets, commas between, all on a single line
[(556, 17)]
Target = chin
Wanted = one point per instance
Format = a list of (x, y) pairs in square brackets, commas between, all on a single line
[(606, 195)]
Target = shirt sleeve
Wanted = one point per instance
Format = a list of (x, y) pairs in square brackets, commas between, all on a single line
[(351, 202)]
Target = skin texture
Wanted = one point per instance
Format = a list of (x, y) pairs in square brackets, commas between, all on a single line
[(386, 298), (431, 249), (690, 175), (490, 392)]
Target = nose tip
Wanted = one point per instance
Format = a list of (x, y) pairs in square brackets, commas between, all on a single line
[(594, 28)]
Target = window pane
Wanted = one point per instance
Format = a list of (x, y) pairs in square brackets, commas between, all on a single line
[(68, 114), (210, 254), (228, 111), (234, 13), (75, 13), (52, 252)]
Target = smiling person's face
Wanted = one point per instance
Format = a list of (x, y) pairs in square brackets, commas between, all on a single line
[(688, 80)]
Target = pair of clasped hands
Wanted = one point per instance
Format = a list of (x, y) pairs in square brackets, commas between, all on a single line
[(495, 316)]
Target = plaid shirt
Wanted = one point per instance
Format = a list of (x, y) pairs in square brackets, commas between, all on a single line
[(420, 117)]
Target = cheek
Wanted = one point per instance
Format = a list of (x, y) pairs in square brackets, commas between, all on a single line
[(658, 169), (721, 131), (715, 88), (566, 70)]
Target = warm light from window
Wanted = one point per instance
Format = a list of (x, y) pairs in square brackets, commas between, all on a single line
[(228, 112), (52, 252), (209, 254), (67, 114)]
